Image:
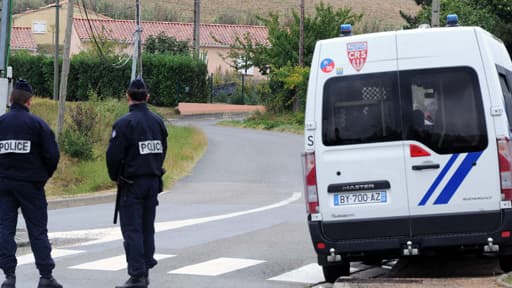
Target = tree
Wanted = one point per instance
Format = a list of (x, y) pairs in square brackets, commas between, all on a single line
[(103, 46), (283, 48), (241, 52), (492, 15), (280, 56), (288, 87), (163, 44)]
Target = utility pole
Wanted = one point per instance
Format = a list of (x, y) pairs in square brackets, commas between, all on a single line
[(5, 71), (296, 102), (65, 68), (56, 59), (5, 28), (301, 40), (139, 42), (197, 21), (137, 53), (436, 8)]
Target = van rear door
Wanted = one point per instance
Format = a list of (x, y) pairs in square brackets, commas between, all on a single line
[(451, 159), (359, 160)]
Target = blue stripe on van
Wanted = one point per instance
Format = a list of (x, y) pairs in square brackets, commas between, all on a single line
[(457, 178), (438, 180)]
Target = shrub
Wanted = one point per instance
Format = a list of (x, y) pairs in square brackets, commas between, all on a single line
[(171, 78), (76, 145), (83, 119), (79, 138), (288, 87), (36, 69)]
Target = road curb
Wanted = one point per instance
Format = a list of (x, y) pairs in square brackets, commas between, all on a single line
[(97, 198)]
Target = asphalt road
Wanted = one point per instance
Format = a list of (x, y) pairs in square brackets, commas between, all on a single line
[(237, 221)]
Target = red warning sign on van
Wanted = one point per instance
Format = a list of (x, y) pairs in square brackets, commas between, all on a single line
[(357, 54)]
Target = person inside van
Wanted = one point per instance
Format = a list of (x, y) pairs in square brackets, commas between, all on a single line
[(430, 110)]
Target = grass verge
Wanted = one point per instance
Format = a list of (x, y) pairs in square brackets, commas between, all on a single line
[(506, 279), (291, 122), (73, 177)]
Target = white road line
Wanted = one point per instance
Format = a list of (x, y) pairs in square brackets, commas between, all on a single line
[(217, 267), (113, 263), (56, 253), (308, 274), (104, 235)]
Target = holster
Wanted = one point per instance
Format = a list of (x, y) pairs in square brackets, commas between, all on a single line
[(121, 186), (161, 181), (160, 185)]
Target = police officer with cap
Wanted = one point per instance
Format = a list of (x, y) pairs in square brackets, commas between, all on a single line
[(135, 157), (28, 158)]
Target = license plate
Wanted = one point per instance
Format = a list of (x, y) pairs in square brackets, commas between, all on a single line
[(355, 198)]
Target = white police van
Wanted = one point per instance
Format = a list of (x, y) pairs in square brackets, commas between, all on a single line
[(407, 146)]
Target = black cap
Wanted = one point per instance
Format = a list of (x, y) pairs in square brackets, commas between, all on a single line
[(137, 84), (24, 86)]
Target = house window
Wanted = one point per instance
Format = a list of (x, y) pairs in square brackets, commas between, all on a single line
[(244, 68), (39, 27)]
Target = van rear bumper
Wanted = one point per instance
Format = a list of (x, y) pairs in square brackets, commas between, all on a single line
[(460, 232)]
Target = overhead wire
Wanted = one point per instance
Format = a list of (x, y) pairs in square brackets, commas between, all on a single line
[(122, 62), (91, 30), (94, 34)]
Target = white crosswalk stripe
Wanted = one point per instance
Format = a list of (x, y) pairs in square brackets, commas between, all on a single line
[(56, 253), (217, 267), (113, 263), (307, 274), (355, 269)]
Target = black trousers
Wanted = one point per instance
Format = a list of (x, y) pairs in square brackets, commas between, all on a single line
[(30, 197), (137, 211)]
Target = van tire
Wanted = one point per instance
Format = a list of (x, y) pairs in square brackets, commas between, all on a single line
[(506, 263), (333, 272)]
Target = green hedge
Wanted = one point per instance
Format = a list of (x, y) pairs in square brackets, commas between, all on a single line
[(171, 78)]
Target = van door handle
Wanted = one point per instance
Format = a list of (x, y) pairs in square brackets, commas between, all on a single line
[(424, 167)]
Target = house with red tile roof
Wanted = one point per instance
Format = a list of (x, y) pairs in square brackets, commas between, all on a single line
[(21, 39), (41, 21), (215, 39)]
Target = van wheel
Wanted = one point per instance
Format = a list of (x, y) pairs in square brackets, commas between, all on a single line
[(506, 263), (333, 272)]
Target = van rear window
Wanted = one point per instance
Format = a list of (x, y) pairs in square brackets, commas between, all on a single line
[(441, 108), (361, 109)]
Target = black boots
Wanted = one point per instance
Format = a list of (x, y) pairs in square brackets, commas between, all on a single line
[(135, 282), (10, 281), (48, 282)]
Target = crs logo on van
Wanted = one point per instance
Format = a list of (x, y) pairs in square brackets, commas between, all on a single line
[(357, 54)]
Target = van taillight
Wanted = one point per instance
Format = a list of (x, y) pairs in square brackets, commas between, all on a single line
[(310, 189), (505, 161)]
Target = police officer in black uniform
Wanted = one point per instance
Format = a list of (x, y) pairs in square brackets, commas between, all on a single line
[(135, 157), (28, 157)]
